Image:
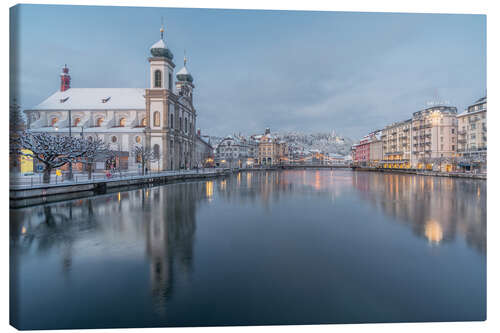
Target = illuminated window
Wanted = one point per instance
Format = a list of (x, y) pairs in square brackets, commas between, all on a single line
[(158, 79), (156, 118), (138, 139), (122, 122), (76, 122), (99, 121), (53, 121), (143, 122)]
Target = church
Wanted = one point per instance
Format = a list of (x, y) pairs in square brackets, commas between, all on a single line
[(161, 117)]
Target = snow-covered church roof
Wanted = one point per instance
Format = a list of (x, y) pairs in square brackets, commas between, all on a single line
[(95, 99)]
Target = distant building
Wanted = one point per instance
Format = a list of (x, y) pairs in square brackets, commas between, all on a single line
[(204, 152), (233, 152), (472, 135), (271, 149)]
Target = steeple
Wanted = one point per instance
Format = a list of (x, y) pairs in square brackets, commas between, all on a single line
[(160, 49), (184, 82)]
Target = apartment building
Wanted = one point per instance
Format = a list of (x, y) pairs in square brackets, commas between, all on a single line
[(472, 138), (434, 137), (396, 145)]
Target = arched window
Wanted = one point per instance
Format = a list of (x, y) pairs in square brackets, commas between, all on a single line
[(157, 78), (170, 81), (156, 151), (99, 121), (138, 139), (53, 121), (180, 123), (185, 125), (143, 122), (171, 120), (76, 122), (156, 118), (122, 122), (114, 139)]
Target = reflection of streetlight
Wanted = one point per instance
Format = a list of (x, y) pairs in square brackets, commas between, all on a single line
[(433, 232)]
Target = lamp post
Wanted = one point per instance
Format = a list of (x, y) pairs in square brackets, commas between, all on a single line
[(70, 173)]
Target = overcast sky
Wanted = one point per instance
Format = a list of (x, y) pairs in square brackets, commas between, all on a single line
[(287, 70)]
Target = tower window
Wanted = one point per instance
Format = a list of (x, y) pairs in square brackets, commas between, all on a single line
[(156, 151), (170, 81), (171, 120), (185, 125), (157, 78), (156, 118)]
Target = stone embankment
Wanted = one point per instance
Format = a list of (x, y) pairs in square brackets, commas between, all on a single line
[(426, 173), (22, 196)]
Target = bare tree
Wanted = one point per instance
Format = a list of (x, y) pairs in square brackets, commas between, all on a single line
[(144, 155), (16, 126), (52, 151), (92, 149)]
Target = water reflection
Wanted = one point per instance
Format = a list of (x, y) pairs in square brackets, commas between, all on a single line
[(437, 208), (155, 230)]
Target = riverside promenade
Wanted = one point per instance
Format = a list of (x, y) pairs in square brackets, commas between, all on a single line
[(22, 193)]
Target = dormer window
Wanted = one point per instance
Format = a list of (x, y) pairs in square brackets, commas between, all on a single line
[(106, 99), (62, 100)]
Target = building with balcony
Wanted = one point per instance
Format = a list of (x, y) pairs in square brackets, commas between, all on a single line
[(472, 135), (396, 145), (434, 137)]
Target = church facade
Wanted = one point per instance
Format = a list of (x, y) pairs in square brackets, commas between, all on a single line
[(161, 117)]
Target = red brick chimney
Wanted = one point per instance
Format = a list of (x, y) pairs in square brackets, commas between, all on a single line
[(65, 79)]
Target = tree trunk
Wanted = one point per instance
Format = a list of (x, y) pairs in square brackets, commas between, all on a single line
[(89, 169), (46, 174)]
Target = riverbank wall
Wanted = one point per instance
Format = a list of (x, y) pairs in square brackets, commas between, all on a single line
[(424, 173), (28, 196)]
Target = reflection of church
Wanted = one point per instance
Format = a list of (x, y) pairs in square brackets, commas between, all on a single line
[(161, 117), (170, 236)]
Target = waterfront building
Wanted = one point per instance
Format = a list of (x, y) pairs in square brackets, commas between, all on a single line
[(361, 155), (271, 149), (204, 152), (434, 137), (376, 153), (472, 138), (161, 117), (396, 145), (233, 152)]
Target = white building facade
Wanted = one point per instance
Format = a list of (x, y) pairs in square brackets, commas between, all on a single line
[(161, 117)]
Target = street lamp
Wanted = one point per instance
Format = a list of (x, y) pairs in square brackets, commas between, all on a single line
[(70, 173)]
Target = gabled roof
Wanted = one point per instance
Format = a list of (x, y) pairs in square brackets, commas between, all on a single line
[(95, 99)]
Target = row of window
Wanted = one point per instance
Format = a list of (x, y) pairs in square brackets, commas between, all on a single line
[(98, 123), (157, 123)]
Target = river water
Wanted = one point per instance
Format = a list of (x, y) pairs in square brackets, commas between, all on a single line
[(264, 247)]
